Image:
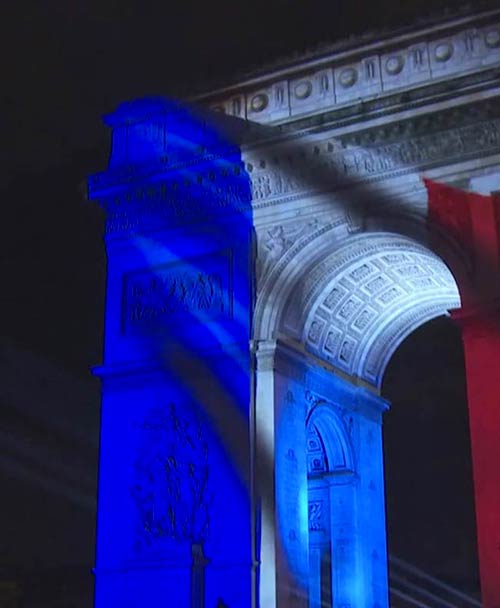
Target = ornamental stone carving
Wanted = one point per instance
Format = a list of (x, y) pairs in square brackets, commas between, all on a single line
[(394, 64), (275, 241), (259, 102), (316, 515), (443, 51), (366, 156), (347, 77), (493, 38), (451, 50), (303, 89), (172, 488), (155, 298)]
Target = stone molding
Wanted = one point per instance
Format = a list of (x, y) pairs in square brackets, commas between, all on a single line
[(454, 49), (370, 155), (134, 372), (264, 351), (290, 359), (354, 302)]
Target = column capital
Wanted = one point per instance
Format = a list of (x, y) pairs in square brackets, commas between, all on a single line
[(264, 351)]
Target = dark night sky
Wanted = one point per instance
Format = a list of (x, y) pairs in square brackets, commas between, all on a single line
[(65, 63), (428, 472)]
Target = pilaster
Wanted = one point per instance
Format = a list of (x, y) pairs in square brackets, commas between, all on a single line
[(175, 511), (335, 517)]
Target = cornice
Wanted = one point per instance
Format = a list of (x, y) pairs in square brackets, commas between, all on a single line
[(444, 52), (363, 114), (347, 47), (305, 167)]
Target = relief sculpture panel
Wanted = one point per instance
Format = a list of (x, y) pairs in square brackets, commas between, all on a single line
[(161, 296)]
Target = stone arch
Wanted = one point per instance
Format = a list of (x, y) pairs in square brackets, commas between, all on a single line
[(281, 277), (377, 290), (328, 440), (286, 271), (353, 301), (332, 506), (350, 299)]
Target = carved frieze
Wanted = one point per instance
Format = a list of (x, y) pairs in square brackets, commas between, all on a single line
[(325, 166), (275, 241), (381, 153), (151, 207), (155, 298)]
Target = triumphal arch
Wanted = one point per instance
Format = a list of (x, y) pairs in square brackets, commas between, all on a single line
[(270, 245)]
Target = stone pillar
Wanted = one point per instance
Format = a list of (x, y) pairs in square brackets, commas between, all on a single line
[(349, 585), (344, 502), (265, 475), (175, 511), (281, 480), (371, 495)]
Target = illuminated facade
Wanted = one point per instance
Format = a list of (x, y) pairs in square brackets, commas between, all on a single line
[(266, 257)]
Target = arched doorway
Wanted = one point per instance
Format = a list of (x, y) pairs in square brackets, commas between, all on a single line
[(331, 504)]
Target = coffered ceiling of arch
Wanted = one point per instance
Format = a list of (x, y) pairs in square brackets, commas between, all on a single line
[(376, 291)]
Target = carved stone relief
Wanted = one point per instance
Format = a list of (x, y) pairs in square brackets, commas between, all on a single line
[(316, 457), (439, 138), (172, 478), (185, 195), (316, 515), (274, 241), (341, 421), (279, 244), (157, 297)]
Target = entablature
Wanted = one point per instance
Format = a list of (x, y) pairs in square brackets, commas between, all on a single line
[(331, 81), (341, 157)]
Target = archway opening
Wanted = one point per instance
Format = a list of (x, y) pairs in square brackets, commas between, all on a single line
[(428, 468), (353, 308)]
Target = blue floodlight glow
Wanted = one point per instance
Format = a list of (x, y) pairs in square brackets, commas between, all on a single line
[(174, 515), (178, 522)]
